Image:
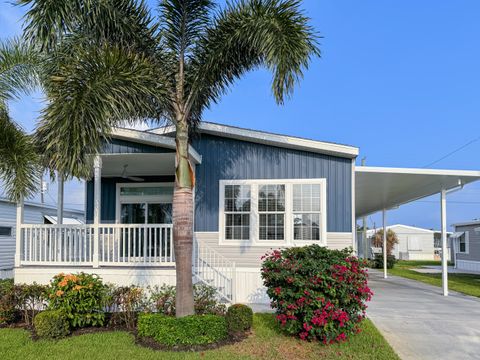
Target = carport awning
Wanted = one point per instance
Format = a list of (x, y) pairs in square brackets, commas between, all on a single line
[(378, 188)]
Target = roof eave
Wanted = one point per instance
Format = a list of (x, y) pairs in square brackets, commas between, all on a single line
[(285, 141)]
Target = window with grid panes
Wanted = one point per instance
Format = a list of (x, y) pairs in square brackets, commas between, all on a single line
[(237, 212), (271, 212)]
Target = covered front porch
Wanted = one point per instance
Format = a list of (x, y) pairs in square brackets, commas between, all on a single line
[(128, 235)]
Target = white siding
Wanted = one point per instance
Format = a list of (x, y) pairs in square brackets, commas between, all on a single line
[(32, 215)]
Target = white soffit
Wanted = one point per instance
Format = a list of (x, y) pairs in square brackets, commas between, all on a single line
[(378, 188)]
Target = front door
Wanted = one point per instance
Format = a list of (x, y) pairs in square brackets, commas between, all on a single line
[(150, 205)]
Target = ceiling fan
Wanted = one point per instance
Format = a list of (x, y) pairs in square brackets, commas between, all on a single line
[(133, 178), (125, 175)]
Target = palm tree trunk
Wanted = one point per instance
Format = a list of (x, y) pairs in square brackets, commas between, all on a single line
[(183, 224)]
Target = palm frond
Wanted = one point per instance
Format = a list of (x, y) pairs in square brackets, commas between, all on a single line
[(19, 166), (183, 22), (19, 66), (120, 22), (90, 93), (248, 34)]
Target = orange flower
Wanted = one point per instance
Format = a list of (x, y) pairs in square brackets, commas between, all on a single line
[(59, 293), (78, 287)]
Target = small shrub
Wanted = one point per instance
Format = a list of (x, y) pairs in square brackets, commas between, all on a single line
[(239, 319), (8, 302), (163, 299), (125, 302), (81, 297), (204, 297), (206, 301), (378, 262), (51, 324), (188, 330), (30, 298), (318, 293)]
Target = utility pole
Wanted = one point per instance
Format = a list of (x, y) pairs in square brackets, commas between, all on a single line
[(364, 227)]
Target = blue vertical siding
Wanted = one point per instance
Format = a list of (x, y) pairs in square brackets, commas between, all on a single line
[(227, 159)]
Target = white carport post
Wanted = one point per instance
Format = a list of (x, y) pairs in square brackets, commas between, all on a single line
[(443, 212), (384, 218), (97, 192)]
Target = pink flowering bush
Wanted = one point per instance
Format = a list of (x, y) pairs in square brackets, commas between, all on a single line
[(318, 293)]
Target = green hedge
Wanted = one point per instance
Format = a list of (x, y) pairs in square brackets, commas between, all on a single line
[(51, 324), (239, 318), (188, 330)]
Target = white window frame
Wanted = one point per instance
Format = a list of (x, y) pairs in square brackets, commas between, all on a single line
[(140, 199), (255, 218), (467, 241)]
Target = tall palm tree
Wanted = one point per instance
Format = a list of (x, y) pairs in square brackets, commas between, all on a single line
[(19, 161), (110, 61)]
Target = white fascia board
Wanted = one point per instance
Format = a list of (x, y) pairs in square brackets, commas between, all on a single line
[(417, 171), (150, 138), (280, 140), (271, 139)]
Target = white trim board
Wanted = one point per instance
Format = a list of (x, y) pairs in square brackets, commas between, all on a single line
[(267, 138)]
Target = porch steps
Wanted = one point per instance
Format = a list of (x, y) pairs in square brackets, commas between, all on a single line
[(213, 269)]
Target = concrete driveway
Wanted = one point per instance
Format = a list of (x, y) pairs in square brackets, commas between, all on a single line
[(419, 323)]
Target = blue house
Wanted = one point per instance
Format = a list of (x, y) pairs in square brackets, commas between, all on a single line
[(254, 191)]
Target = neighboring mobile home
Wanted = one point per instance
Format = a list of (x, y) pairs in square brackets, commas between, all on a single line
[(466, 244), (414, 243), (254, 191), (34, 213)]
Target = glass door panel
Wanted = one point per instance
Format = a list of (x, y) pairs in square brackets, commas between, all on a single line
[(159, 213), (132, 213)]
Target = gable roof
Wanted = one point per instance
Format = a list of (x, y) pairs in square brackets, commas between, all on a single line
[(268, 138)]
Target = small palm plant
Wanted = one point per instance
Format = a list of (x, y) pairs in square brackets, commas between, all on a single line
[(392, 239), (110, 61)]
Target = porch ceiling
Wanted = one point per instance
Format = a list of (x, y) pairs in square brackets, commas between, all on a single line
[(139, 164), (378, 188)]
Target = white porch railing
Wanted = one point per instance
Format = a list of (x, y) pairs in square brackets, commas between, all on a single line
[(118, 244), (56, 244), (214, 269), (144, 245)]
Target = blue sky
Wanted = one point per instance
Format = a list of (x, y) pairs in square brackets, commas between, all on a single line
[(400, 80)]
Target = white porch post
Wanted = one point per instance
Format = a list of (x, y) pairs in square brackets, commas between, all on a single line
[(443, 211), (18, 233), (60, 198), (384, 216), (97, 183)]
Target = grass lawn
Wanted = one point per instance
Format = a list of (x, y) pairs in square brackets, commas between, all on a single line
[(265, 343), (464, 283)]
